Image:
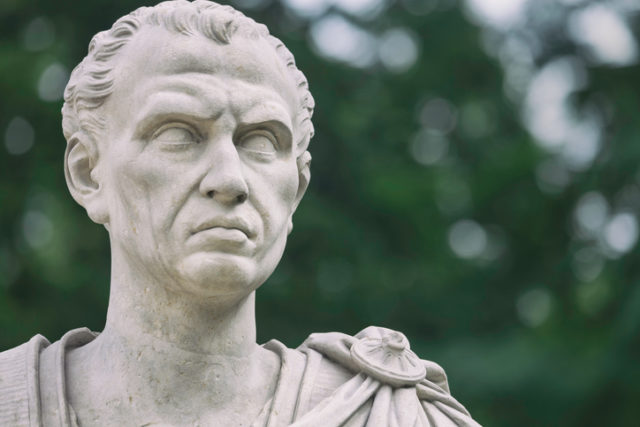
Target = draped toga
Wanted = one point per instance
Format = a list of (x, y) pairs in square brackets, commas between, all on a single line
[(370, 380)]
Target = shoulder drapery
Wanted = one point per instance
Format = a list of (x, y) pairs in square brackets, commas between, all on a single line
[(390, 386), (32, 382), (19, 384), (370, 380)]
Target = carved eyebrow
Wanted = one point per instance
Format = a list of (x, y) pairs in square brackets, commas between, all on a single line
[(168, 106), (269, 115), (148, 124), (282, 132)]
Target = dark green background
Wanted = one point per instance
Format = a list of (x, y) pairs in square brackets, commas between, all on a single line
[(370, 243)]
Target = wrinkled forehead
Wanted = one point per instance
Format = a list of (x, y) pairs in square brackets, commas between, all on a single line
[(155, 52)]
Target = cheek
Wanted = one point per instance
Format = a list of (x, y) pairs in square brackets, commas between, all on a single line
[(289, 186), (131, 183), (285, 182), (142, 187), (275, 193)]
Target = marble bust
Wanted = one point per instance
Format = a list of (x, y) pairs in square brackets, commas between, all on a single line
[(187, 129)]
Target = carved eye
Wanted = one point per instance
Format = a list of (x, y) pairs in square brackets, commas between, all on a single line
[(176, 135), (259, 142)]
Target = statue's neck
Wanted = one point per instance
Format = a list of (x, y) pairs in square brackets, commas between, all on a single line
[(142, 307), (159, 344)]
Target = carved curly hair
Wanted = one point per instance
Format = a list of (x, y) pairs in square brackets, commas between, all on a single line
[(92, 81)]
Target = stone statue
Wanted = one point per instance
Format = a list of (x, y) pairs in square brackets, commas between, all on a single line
[(187, 128)]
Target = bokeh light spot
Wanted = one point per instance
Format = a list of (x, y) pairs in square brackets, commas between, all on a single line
[(19, 136), (428, 148), (502, 14), (308, 8), (534, 306), (362, 8), (39, 34), (546, 112), (37, 229), (336, 38), (476, 119), (398, 49), (587, 264), (582, 143), (621, 232), (438, 115), (591, 212), (605, 34), (52, 82), (467, 239)]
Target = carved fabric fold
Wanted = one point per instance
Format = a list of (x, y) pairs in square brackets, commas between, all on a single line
[(319, 385)]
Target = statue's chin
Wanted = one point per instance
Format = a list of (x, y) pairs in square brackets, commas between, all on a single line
[(209, 274)]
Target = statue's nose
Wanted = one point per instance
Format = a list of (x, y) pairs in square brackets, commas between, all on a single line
[(224, 180)]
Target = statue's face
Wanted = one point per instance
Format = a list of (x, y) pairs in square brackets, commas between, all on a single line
[(199, 162)]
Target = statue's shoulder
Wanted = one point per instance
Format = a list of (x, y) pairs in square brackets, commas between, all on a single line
[(374, 374), (380, 353), (18, 382)]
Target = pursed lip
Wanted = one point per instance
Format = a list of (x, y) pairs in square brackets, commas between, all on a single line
[(230, 223)]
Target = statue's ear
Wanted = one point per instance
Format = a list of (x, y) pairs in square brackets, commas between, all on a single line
[(83, 180), (304, 176)]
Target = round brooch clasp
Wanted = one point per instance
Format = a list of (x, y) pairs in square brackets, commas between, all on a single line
[(388, 359)]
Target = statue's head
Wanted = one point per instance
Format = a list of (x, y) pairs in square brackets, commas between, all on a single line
[(187, 129)]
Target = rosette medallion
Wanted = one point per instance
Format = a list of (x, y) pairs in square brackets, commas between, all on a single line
[(388, 359)]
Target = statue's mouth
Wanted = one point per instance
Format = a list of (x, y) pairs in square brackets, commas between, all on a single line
[(226, 223)]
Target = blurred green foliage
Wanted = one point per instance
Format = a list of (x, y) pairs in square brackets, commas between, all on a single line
[(535, 323)]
